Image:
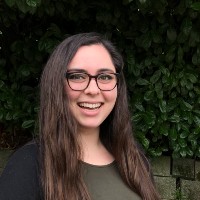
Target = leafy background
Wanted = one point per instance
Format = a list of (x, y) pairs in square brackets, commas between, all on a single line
[(160, 43)]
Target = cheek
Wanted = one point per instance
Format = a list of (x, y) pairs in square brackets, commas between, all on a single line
[(111, 96), (72, 95)]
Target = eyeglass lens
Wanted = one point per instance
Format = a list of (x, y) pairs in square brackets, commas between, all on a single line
[(80, 81)]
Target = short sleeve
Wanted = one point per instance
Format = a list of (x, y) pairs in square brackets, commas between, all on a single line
[(20, 178)]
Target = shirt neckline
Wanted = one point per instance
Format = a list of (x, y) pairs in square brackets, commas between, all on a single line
[(98, 166)]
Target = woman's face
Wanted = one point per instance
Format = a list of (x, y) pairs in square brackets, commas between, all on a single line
[(91, 106)]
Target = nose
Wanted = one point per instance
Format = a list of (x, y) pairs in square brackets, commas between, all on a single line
[(92, 87)]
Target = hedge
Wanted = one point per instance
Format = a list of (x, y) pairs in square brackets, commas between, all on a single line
[(160, 43)]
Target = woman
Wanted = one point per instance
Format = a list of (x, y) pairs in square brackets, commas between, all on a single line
[(86, 149)]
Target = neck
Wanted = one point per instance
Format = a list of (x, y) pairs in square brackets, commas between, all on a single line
[(89, 138), (93, 151)]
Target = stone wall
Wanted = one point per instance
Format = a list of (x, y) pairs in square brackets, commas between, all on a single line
[(177, 179)]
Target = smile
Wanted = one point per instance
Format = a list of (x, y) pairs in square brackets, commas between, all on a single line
[(90, 105)]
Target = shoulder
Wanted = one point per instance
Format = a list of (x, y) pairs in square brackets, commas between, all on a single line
[(20, 178), (26, 156), (28, 152)]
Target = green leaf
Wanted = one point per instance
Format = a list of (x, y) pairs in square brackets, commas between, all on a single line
[(131, 62), (145, 143), (155, 152), (173, 133), (16, 115), (149, 118), (195, 59), (192, 94), (155, 77), (136, 71), (164, 116), (172, 104), (1, 83), (8, 116), (133, 68), (158, 86), (170, 54), (158, 152), (188, 116), (189, 151), (176, 147), (160, 94), (31, 3), (180, 54), (142, 81), (23, 6), (197, 120), (164, 129), (159, 90), (196, 130), (192, 77), (197, 90), (183, 152), (136, 117), (1, 115), (184, 134), (189, 86), (173, 95), (193, 143), (147, 62), (165, 71), (10, 3), (185, 106), (28, 124), (17, 46), (182, 142), (175, 118), (144, 41), (141, 1), (139, 106), (195, 6), (186, 26), (183, 82), (162, 106), (24, 70), (149, 95), (171, 34), (126, 2), (182, 38), (194, 36), (50, 9), (157, 38)]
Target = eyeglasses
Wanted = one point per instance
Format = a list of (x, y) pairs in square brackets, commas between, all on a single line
[(79, 81)]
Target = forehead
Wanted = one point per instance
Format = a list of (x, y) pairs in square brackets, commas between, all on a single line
[(91, 58)]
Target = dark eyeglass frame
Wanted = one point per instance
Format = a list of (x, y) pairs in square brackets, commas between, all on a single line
[(67, 74)]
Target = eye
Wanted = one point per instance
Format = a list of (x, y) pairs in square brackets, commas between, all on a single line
[(77, 77), (105, 77)]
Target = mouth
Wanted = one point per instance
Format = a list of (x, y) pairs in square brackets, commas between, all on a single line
[(90, 106)]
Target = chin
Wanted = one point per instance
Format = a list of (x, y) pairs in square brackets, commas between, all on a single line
[(91, 125)]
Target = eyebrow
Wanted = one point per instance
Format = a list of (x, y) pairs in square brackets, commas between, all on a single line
[(85, 71)]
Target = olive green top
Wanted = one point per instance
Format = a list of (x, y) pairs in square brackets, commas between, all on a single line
[(105, 183)]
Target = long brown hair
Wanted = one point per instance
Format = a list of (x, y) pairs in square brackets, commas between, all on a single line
[(61, 173)]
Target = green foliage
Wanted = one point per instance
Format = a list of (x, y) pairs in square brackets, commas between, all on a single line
[(179, 195), (159, 40)]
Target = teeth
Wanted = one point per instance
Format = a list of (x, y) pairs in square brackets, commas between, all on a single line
[(90, 105)]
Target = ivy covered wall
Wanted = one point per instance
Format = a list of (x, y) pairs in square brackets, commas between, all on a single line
[(160, 43)]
